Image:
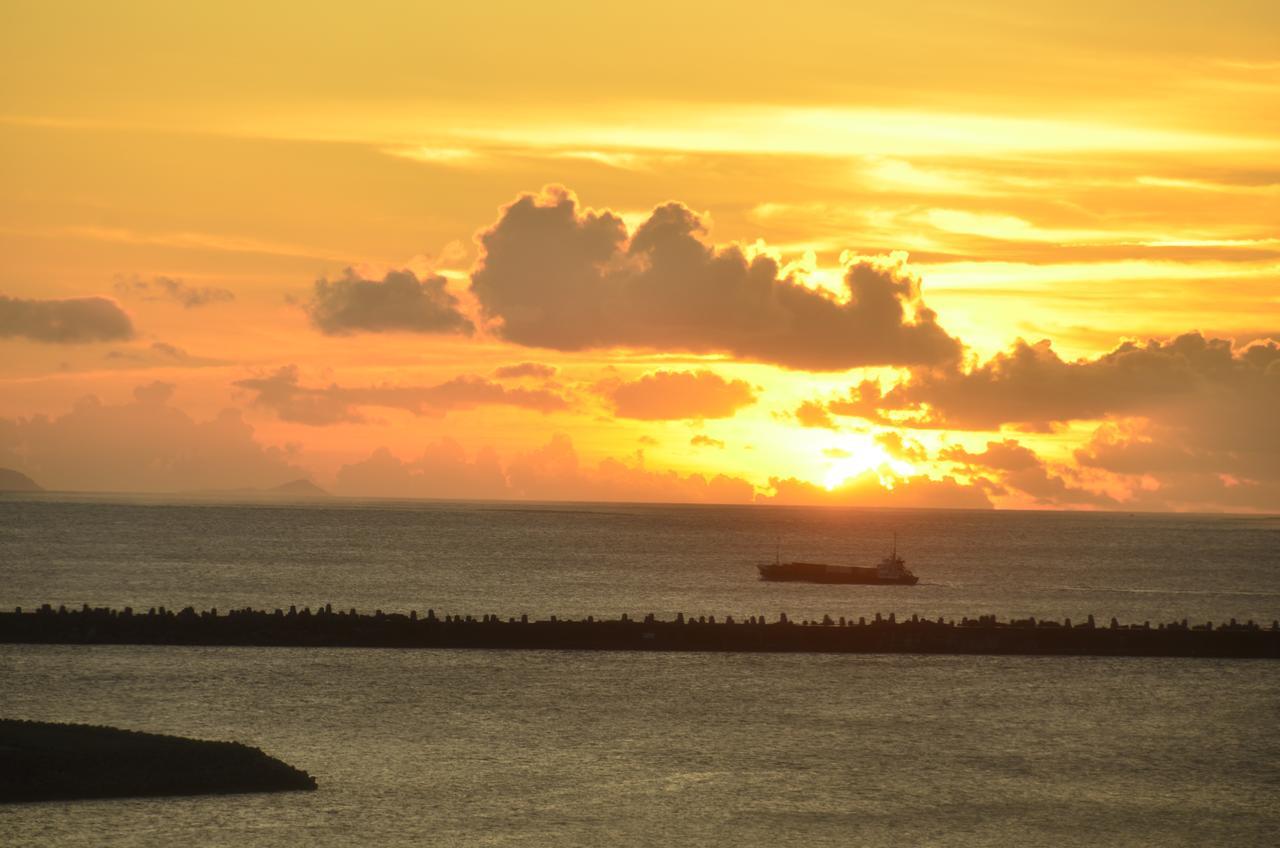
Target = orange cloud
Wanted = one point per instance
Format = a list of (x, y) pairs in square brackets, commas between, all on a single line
[(673, 395), (525, 369), (570, 279), (550, 472), (813, 414)]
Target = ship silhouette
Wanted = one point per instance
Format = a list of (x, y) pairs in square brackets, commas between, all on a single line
[(892, 570)]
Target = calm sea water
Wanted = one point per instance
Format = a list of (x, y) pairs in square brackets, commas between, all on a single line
[(502, 748)]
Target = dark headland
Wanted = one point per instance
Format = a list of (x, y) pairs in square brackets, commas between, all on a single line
[(16, 481), (40, 761), (326, 627)]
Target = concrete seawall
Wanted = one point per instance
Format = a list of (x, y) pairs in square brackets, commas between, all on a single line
[(326, 627)]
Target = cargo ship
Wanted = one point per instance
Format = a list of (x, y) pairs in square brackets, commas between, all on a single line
[(892, 570)]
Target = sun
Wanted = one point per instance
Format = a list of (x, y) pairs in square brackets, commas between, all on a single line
[(860, 454)]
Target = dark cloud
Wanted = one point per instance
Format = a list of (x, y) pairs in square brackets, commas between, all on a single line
[(1017, 467), (282, 392), (156, 392), (701, 441), (570, 279), (863, 401), (525, 369), (74, 320), (1030, 385), (168, 288), (672, 395), (399, 303)]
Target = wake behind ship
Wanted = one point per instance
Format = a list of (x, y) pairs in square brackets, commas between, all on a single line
[(891, 570)]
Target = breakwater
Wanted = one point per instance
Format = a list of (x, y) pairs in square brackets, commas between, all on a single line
[(60, 762), (326, 627)]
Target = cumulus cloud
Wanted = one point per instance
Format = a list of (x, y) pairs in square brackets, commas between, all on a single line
[(673, 395), (525, 369), (282, 392), (400, 302), (702, 441), (169, 288), (146, 444), (1017, 466), (73, 320), (566, 278)]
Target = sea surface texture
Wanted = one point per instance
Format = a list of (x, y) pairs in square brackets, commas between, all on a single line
[(526, 748)]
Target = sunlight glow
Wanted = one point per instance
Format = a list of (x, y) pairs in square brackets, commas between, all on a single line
[(865, 455)]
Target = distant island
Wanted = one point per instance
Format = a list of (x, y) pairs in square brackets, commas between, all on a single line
[(16, 481), (301, 487), (43, 761)]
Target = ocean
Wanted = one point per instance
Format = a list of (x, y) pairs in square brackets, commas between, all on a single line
[(517, 748)]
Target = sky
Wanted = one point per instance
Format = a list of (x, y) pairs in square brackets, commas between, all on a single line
[(1011, 255)]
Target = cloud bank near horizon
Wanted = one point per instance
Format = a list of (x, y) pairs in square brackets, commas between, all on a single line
[(282, 392)]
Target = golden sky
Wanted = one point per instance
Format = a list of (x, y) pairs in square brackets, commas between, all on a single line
[(928, 254)]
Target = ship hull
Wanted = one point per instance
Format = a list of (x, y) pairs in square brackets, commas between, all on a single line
[(813, 572)]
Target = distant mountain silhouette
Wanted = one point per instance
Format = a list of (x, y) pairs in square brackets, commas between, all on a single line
[(16, 481)]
